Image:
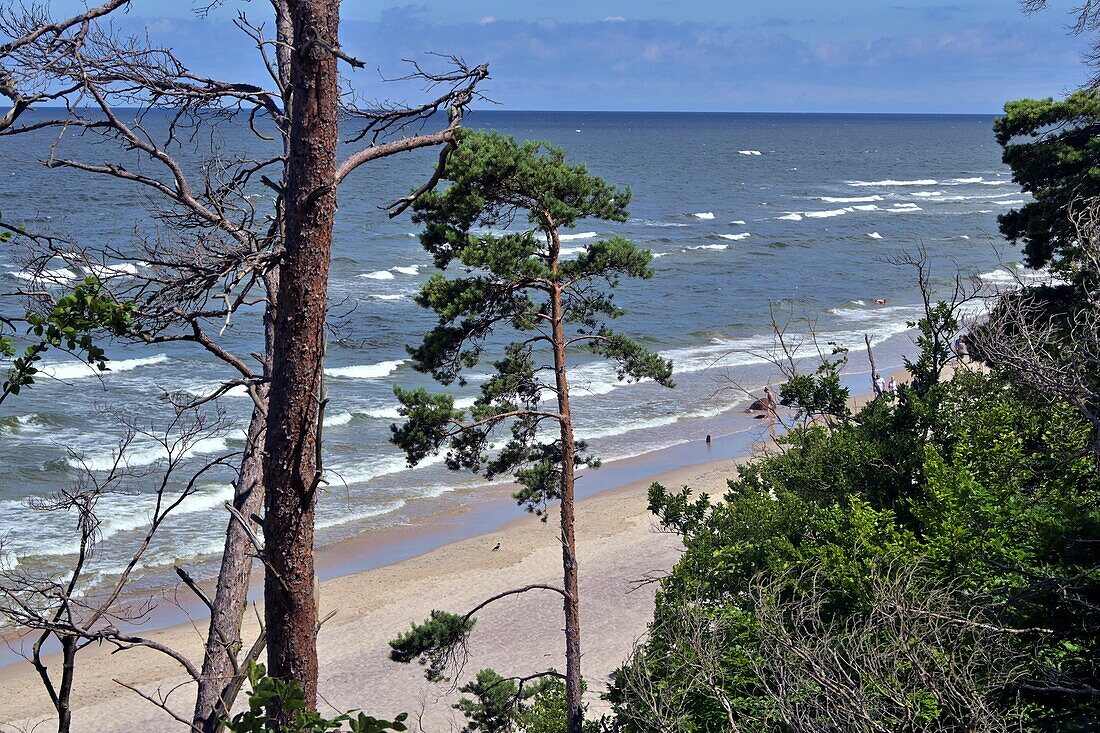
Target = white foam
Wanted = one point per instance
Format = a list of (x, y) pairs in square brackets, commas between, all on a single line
[(975, 180), (986, 197), (79, 370), (849, 199), (358, 516), (365, 371), (704, 215), (379, 275), (735, 237), (964, 236), (106, 272), (903, 208), (927, 194), (137, 455), (203, 390), (410, 270), (571, 251), (388, 296), (340, 418), (826, 214), (864, 315), (891, 182), (750, 152), (578, 236), (61, 276), (1013, 202), (793, 216), (875, 235), (738, 222), (377, 467), (708, 246), (383, 413)]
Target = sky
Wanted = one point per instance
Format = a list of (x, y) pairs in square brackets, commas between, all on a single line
[(968, 56)]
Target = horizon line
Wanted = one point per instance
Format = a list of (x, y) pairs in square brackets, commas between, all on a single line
[(667, 111)]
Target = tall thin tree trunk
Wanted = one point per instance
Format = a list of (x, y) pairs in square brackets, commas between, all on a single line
[(223, 644), (221, 676), (65, 689), (574, 711), (290, 461)]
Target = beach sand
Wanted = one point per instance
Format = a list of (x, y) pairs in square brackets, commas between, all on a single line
[(621, 553), (619, 548)]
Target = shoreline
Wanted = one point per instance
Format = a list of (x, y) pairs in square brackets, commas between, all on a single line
[(444, 559), (471, 511), (619, 550)]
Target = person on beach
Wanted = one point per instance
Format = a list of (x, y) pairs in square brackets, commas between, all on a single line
[(880, 386), (892, 387), (961, 348), (765, 404)]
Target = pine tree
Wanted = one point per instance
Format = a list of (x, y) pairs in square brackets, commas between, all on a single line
[(551, 307)]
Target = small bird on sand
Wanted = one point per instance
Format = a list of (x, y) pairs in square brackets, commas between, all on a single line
[(497, 547)]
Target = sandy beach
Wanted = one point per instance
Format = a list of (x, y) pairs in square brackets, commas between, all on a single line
[(619, 548)]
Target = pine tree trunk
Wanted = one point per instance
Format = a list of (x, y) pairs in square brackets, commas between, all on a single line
[(291, 460), (223, 644), (221, 673), (574, 710)]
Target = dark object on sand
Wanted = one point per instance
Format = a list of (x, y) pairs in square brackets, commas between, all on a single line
[(708, 440), (765, 404), (497, 547)]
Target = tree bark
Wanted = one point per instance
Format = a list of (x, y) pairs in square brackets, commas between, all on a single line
[(871, 359), (65, 689), (291, 464), (221, 673), (223, 643), (574, 710)]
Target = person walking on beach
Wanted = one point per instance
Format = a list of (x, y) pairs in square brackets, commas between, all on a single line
[(961, 348), (892, 387), (769, 397), (880, 386)]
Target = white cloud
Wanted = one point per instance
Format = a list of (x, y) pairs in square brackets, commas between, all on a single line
[(487, 20), (614, 19)]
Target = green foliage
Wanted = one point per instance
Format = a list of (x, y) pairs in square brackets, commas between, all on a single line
[(269, 697), (989, 491), (502, 705), (505, 705), (71, 325), (933, 339), (434, 642), (1053, 148), (514, 284), (820, 394)]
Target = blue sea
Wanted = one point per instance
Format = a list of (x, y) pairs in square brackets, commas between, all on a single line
[(748, 217)]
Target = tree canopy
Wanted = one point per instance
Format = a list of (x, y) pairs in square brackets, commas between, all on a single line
[(1053, 149), (513, 275), (928, 565)]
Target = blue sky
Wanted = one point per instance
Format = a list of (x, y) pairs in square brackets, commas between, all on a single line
[(689, 55)]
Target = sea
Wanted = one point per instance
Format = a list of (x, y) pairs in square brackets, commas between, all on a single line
[(754, 220)]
